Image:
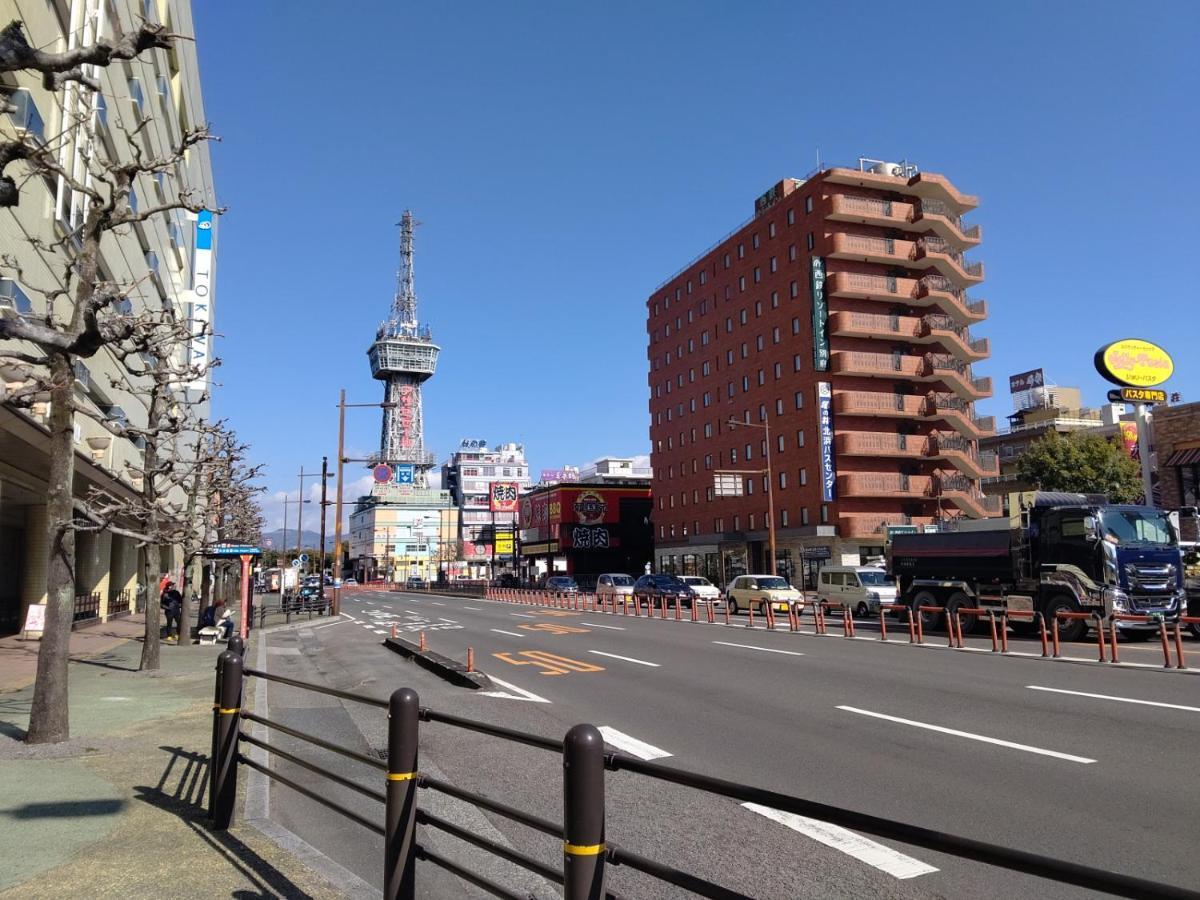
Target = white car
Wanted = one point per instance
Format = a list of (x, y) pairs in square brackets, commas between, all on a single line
[(703, 588)]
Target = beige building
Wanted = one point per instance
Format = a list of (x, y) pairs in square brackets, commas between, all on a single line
[(170, 259), (402, 537)]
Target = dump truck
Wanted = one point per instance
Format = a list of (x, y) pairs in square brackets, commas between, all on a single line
[(1055, 552)]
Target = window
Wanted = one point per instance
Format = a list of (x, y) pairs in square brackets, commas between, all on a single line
[(691, 408), (800, 438), (779, 443), (778, 406), (703, 307), (783, 518), (804, 515), (742, 317), (792, 253), (758, 309), (775, 335), (707, 399), (704, 338), (754, 240), (704, 368), (771, 230), (808, 204), (729, 391), (797, 362), (689, 285), (729, 357), (774, 299), (691, 375), (796, 325), (791, 218), (759, 343), (751, 522), (745, 383), (702, 277), (707, 461), (772, 264), (737, 523), (708, 429), (783, 479), (762, 378), (152, 261), (742, 283), (750, 491), (728, 292), (794, 290), (803, 477), (12, 297), (757, 274), (691, 345), (136, 96), (745, 351), (749, 451), (741, 251), (812, 241), (25, 115), (824, 513), (727, 260), (729, 325), (733, 457), (163, 87)]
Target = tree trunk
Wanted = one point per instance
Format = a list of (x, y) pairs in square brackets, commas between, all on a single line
[(150, 643), (154, 418), (49, 720)]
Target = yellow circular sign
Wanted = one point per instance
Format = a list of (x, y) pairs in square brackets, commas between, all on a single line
[(1134, 362)]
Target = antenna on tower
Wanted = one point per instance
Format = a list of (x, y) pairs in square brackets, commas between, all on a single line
[(403, 318)]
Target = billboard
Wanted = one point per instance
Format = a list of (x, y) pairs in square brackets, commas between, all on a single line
[(1129, 439), (1135, 363), (820, 316), (200, 299), (550, 476), (502, 496), (1026, 381), (825, 411)]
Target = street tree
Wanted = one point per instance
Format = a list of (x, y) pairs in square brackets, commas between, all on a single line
[(1082, 463), (85, 313)]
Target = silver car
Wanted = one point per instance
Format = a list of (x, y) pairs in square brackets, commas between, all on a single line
[(614, 586)]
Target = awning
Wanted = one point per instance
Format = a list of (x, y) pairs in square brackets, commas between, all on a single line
[(1184, 457)]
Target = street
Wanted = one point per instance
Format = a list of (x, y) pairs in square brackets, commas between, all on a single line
[(1079, 762)]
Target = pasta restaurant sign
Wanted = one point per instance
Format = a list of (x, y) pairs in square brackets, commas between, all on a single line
[(1133, 362)]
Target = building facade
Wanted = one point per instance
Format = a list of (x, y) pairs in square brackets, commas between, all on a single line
[(835, 328), (413, 537), (485, 537), (169, 261), (1177, 445)]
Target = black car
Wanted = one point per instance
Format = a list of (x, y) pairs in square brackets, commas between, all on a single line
[(563, 584), (655, 590)]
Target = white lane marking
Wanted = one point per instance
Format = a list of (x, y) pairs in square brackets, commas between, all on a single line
[(435, 603), (517, 693), (598, 625), (1195, 709), (640, 662), (471, 607), (524, 615), (350, 617), (764, 649), (502, 631), (893, 862), (969, 736), (379, 631), (631, 745), (328, 625), (451, 621)]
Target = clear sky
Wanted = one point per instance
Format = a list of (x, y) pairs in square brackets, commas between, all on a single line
[(565, 158)]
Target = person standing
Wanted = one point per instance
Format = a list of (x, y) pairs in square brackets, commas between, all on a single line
[(171, 602)]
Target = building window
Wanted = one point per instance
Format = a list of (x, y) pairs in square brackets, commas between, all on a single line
[(751, 523), (754, 240), (749, 452), (759, 343), (708, 429), (691, 345), (742, 283), (812, 241), (741, 250), (702, 275), (704, 338), (704, 368), (707, 399), (804, 515), (783, 480), (824, 513), (779, 445), (729, 325), (689, 285), (791, 217), (775, 335), (803, 477), (792, 253), (808, 204), (703, 307), (774, 299), (691, 375), (772, 264), (733, 457), (737, 523), (729, 357), (794, 290), (771, 229), (778, 371), (25, 116), (745, 383), (745, 351), (750, 491), (778, 406), (783, 518), (757, 274), (136, 96), (728, 292), (12, 297), (727, 260), (796, 362), (796, 325), (757, 309), (800, 438), (729, 390), (799, 399), (742, 317), (762, 377)]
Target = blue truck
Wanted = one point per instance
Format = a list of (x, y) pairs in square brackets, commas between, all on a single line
[(1055, 552)]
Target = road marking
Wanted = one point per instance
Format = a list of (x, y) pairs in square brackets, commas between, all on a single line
[(764, 649), (893, 862), (435, 603), (502, 631), (551, 663), (518, 693), (380, 631), (524, 615), (610, 627), (1195, 709), (554, 628), (472, 607), (328, 625), (631, 745), (969, 736), (350, 617), (640, 662)]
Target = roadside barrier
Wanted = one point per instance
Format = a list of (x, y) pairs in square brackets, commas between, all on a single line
[(1034, 617), (1099, 622), (978, 613), (885, 608), (769, 607), (586, 854), (1162, 630), (750, 613)]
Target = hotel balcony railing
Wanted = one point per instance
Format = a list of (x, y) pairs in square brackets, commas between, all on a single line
[(877, 403), (949, 261), (872, 249), (961, 451), (870, 443), (955, 337), (885, 484), (945, 221), (957, 412), (965, 493), (861, 525), (935, 290), (870, 210), (957, 375), (860, 324), (875, 365)]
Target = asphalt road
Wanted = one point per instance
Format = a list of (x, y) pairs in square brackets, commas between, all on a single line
[(1003, 749)]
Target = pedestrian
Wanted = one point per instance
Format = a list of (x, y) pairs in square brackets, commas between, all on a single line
[(225, 623), (171, 603)]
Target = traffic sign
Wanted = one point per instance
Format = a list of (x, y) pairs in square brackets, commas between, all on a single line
[(303, 557), (295, 563), (404, 474)]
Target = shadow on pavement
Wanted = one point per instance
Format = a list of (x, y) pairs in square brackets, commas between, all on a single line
[(107, 661), (65, 809), (182, 790)]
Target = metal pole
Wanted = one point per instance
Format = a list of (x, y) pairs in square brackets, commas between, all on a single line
[(337, 506), (770, 498), (400, 816), (1143, 433), (324, 509), (244, 624), (300, 518), (583, 814), (229, 702)]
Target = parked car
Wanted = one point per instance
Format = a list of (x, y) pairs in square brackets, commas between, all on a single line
[(703, 588), (656, 590), (349, 582), (415, 584), (562, 584), (613, 586), (860, 589), (757, 591)]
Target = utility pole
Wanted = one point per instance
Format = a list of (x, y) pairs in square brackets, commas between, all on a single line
[(766, 426), (1142, 417), (324, 510), (337, 506)]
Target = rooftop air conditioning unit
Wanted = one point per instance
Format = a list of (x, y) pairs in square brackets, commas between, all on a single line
[(893, 170)]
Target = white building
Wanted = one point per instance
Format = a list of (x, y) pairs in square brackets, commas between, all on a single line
[(484, 536)]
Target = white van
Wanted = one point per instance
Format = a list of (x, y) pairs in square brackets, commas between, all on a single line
[(861, 589)]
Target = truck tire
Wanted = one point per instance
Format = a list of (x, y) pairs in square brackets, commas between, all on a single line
[(929, 621), (1068, 629), (958, 600)]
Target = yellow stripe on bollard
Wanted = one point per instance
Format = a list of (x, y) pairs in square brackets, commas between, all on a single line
[(230, 712), (583, 849), (401, 776)]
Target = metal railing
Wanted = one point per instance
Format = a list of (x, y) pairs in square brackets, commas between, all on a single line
[(586, 854), (87, 606), (118, 603)]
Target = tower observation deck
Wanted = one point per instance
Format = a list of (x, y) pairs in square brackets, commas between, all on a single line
[(403, 356)]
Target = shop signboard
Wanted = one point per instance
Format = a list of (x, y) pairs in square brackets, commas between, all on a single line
[(502, 496), (825, 412), (820, 316), (1133, 362)]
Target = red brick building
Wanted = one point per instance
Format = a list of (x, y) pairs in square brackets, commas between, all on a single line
[(838, 317)]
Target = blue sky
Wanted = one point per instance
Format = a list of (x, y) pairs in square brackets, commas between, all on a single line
[(566, 158)]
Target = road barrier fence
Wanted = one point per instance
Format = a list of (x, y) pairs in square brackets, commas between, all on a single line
[(586, 853)]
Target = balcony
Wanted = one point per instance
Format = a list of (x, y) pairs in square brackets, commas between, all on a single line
[(872, 525), (960, 452), (882, 484), (870, 211), (956, 374), (956, 413), (877, 404), (873, 325), (862, 248), (875, 365), (881, 444), (931, 290), (935, 252), (940, 218), (965, 494), (954, 337)]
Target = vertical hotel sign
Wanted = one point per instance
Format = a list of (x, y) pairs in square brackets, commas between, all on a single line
[(820, 316), (825, 411), (200, 348)]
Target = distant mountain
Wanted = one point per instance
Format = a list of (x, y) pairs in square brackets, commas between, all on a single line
[(277, 540)]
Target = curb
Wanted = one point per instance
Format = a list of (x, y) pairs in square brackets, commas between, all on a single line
[(445, 668)]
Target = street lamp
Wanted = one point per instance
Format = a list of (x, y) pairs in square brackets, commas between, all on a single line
[(766, 426), (341, 460), (323, 474), (286, 503)]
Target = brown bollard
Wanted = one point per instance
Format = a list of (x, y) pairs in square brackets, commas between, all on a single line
[(400, 810), (583, 814), (421, 642), (882, 624), (470, 659)]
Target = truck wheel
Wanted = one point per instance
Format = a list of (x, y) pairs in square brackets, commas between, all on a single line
[(929, 621), (958, 600), (1068, 629)]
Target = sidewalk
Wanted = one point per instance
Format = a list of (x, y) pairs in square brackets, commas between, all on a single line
[(119, 810)]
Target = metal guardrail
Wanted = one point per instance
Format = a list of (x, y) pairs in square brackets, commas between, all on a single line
[(87, 607), (586, 854)]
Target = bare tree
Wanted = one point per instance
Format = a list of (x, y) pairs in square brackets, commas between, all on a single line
[(96, 317)]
